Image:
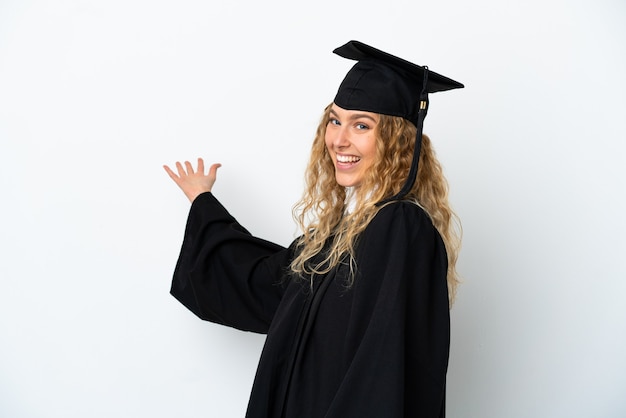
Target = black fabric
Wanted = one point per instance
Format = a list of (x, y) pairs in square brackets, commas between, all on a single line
[(383, 83), (378, 349)]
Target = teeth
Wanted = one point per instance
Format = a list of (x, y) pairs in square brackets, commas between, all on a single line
[(347, 158)]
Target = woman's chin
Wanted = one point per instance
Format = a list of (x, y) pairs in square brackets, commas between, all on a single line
[(347, 182)]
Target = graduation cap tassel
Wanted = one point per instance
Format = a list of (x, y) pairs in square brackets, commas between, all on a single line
[(410, 181)]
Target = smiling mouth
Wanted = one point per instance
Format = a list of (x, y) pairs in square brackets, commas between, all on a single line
[(347, 159)]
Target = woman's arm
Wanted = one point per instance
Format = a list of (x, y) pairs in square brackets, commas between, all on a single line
[(223, 273)]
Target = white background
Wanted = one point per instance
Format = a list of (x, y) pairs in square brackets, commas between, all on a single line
[(95, 96)]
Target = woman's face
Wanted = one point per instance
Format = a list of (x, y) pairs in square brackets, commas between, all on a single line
[(351, 142)]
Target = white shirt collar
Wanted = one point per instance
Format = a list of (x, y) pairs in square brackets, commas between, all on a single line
[(350, 202)]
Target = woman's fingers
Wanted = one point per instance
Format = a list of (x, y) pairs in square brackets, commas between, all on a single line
[(193, 182), (180, 169), (170, 173), (213, 170), (189, 168), (200, 166)]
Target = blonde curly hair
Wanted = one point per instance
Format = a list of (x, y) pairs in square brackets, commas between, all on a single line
[(320, 212)]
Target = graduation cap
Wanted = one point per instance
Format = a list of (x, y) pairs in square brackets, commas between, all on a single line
[(383, 83)]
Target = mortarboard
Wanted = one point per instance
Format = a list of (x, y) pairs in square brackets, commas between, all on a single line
[(383, 83)]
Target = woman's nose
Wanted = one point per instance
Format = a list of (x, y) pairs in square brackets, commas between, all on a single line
[(341, 139)]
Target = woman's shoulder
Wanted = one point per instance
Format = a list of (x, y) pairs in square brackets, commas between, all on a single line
[(401, 218), (402, 211)]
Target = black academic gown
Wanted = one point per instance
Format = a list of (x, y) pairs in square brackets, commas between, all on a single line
[(378, 349)]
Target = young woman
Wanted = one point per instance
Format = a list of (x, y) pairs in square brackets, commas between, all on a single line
[(356, 310)]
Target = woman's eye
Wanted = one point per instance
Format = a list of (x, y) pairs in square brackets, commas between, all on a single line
[(334, 122), (362, 126)]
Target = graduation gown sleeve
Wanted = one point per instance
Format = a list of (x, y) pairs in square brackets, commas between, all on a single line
[(224, 274)]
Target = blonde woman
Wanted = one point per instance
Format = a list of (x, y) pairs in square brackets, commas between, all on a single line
[(356, 310)]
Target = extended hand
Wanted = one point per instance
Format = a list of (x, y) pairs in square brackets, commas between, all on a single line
[(193, 182)]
